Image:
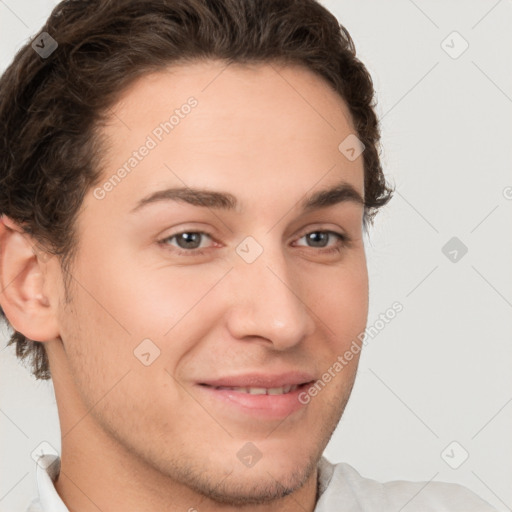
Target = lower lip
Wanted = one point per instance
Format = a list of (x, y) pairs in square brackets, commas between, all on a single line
[(261, 406)]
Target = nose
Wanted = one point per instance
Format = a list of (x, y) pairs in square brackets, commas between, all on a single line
[(266, 302)]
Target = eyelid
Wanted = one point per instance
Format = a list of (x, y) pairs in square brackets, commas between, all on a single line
[(323, 228)]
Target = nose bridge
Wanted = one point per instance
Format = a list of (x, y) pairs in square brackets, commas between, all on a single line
[(267, 302)]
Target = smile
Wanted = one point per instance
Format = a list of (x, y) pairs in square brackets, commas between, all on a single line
[(260, 391)]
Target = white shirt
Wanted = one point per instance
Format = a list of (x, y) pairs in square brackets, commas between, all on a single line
[(341, 488)]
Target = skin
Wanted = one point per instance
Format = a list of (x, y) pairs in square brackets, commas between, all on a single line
[(144, 438)]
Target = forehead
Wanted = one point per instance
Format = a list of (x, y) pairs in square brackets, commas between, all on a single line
[(263, 126), (229, 85)]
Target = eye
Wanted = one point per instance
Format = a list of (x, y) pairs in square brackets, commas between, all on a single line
[(320, 239), (188, 241)]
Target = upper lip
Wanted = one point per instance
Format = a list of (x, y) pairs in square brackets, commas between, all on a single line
[(261, 380)]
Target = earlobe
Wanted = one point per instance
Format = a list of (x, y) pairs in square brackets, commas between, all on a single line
[(22, 298)]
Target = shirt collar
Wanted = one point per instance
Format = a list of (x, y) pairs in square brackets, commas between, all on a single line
[(48, 468)]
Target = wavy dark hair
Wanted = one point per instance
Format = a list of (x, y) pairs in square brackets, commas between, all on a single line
[(52, 105)]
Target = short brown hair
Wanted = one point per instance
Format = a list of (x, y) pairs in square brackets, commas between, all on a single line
[(51, 106)]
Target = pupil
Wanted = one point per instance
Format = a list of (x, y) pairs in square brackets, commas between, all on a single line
[(188, 238), (317, 236)]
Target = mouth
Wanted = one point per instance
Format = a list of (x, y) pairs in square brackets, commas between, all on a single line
[(282, 390), (257, 396)]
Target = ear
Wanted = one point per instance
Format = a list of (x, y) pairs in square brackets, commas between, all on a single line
[(22, 272)]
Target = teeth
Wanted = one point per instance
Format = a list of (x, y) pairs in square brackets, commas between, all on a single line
[(257, 391), (262, 391)]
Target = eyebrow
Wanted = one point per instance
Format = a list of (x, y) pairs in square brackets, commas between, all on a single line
[(343, 192)]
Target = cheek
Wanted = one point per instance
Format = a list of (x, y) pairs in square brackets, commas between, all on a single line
[(162, 303), (340, 301), (129, 301), (123, 305)]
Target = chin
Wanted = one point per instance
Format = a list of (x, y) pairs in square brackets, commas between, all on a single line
[(265, 482)]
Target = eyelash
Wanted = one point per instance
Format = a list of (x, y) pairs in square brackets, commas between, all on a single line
[(343, 242)]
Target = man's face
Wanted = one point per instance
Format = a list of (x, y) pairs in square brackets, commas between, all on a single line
[(215, 304)]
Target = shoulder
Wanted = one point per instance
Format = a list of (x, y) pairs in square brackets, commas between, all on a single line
[(343, 484)]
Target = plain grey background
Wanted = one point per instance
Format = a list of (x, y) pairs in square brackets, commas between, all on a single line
[(433, 397)]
